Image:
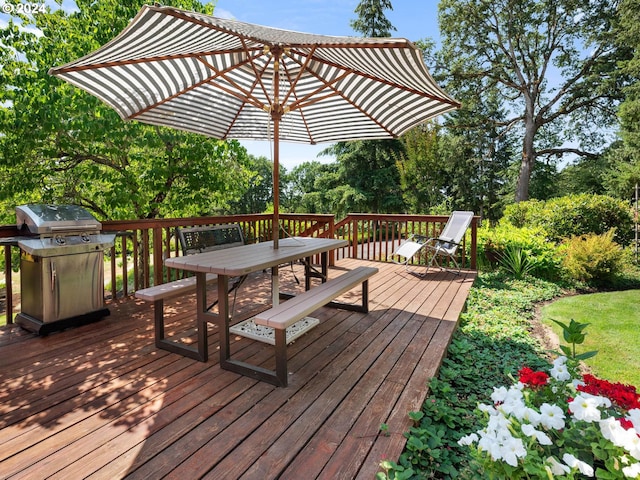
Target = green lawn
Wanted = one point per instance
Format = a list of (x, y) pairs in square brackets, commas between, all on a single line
[(614, 321)]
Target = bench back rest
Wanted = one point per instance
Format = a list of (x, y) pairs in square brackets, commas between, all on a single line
[(207, 238)]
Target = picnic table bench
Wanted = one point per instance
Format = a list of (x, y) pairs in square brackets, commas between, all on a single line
[(192, 240), (286, 314)]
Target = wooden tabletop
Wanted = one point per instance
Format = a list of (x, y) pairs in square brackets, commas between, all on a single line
[(245, 259)]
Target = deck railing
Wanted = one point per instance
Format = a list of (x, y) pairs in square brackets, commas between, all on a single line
[(137, 259)]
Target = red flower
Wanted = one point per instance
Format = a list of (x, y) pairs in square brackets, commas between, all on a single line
[(531, 378), (626, 424), (624, 396)]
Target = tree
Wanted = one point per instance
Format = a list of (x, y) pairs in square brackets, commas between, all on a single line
[(371, 21), (309, 184), (553, 62), (369, 178), (63, 145), (257, 197), (628, 36)]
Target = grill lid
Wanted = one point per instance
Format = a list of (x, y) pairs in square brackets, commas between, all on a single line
[(51, 219)]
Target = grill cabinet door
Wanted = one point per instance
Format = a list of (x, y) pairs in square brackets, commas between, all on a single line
[(75, 285)]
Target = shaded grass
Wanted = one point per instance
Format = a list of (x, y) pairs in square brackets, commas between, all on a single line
[(613, 318)]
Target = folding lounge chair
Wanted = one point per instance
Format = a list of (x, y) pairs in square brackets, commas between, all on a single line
[(445, 245)]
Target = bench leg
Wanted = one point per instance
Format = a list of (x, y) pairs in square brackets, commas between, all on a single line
[(281, 355), (363, 308), (158, 315), (164, 343)]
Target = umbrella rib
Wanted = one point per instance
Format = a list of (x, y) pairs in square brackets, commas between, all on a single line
[(386, 82), (134, 61), (245, 96), (299, 104), (292, 91), (198, 84), (258, 74)]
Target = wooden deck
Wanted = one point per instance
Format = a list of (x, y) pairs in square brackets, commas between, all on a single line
[(100, 401)]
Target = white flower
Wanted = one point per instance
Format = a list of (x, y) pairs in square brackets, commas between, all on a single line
[(557, 468), (468, 439), (499, 394), (632, 443), (632, 471), (489, 442), (512, 449), (483, 407), (512, 404), (613, 431), (585, 408), (560, 372), (634, 416), (573, 462), (551, 416), (541, 437), (600, 400), (561, 360)]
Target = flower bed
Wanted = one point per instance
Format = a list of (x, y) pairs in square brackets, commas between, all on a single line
[(559, 425)]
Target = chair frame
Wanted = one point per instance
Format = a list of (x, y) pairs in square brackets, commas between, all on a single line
[(445, 244)]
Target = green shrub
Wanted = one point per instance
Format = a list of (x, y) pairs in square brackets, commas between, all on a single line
[(540, 255), (574, 215), (516, 262), (592, 259)]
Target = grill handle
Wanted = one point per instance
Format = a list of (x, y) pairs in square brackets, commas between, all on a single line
[(54, 275), (67, 228)]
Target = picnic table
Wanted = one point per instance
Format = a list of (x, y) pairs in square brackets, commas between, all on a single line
[(236, 262)]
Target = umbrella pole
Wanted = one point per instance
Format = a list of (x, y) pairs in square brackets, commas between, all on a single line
[(276, 181), (275, 278)]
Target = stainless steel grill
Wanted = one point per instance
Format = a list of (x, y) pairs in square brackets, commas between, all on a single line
[(61, 267)]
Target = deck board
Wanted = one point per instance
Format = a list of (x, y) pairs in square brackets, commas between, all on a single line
[(100, 401)]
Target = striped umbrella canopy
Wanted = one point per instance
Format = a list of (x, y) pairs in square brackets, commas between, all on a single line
[(228, 79)]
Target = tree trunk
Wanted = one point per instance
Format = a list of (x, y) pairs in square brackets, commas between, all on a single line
[(528, 159)]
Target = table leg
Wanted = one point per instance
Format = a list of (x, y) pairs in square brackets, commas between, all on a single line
[(324, 261), (275, 286), (201, 305), (223, 317)]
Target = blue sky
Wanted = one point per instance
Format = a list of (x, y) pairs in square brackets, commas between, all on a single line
[(414, 20)]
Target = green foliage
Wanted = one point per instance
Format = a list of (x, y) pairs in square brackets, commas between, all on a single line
[(574, 215), (574, 335), (522, 249), (371, 21), (516, 262), (592, 259), (628, 36), (478, 54), (61, 145), (492, 344), (367, 177)]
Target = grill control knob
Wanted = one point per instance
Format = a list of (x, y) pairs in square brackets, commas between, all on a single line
[(85, 237), (59, 240)]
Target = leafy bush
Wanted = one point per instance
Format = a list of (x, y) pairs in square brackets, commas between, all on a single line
[(574, 215), (593, 259), (535, 251), (516, 262)]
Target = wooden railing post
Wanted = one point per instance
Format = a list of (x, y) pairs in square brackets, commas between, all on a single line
[(474, 243), (9, 283), (158, 256)]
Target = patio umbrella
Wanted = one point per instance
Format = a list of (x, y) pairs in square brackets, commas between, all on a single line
[(228, 79)]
